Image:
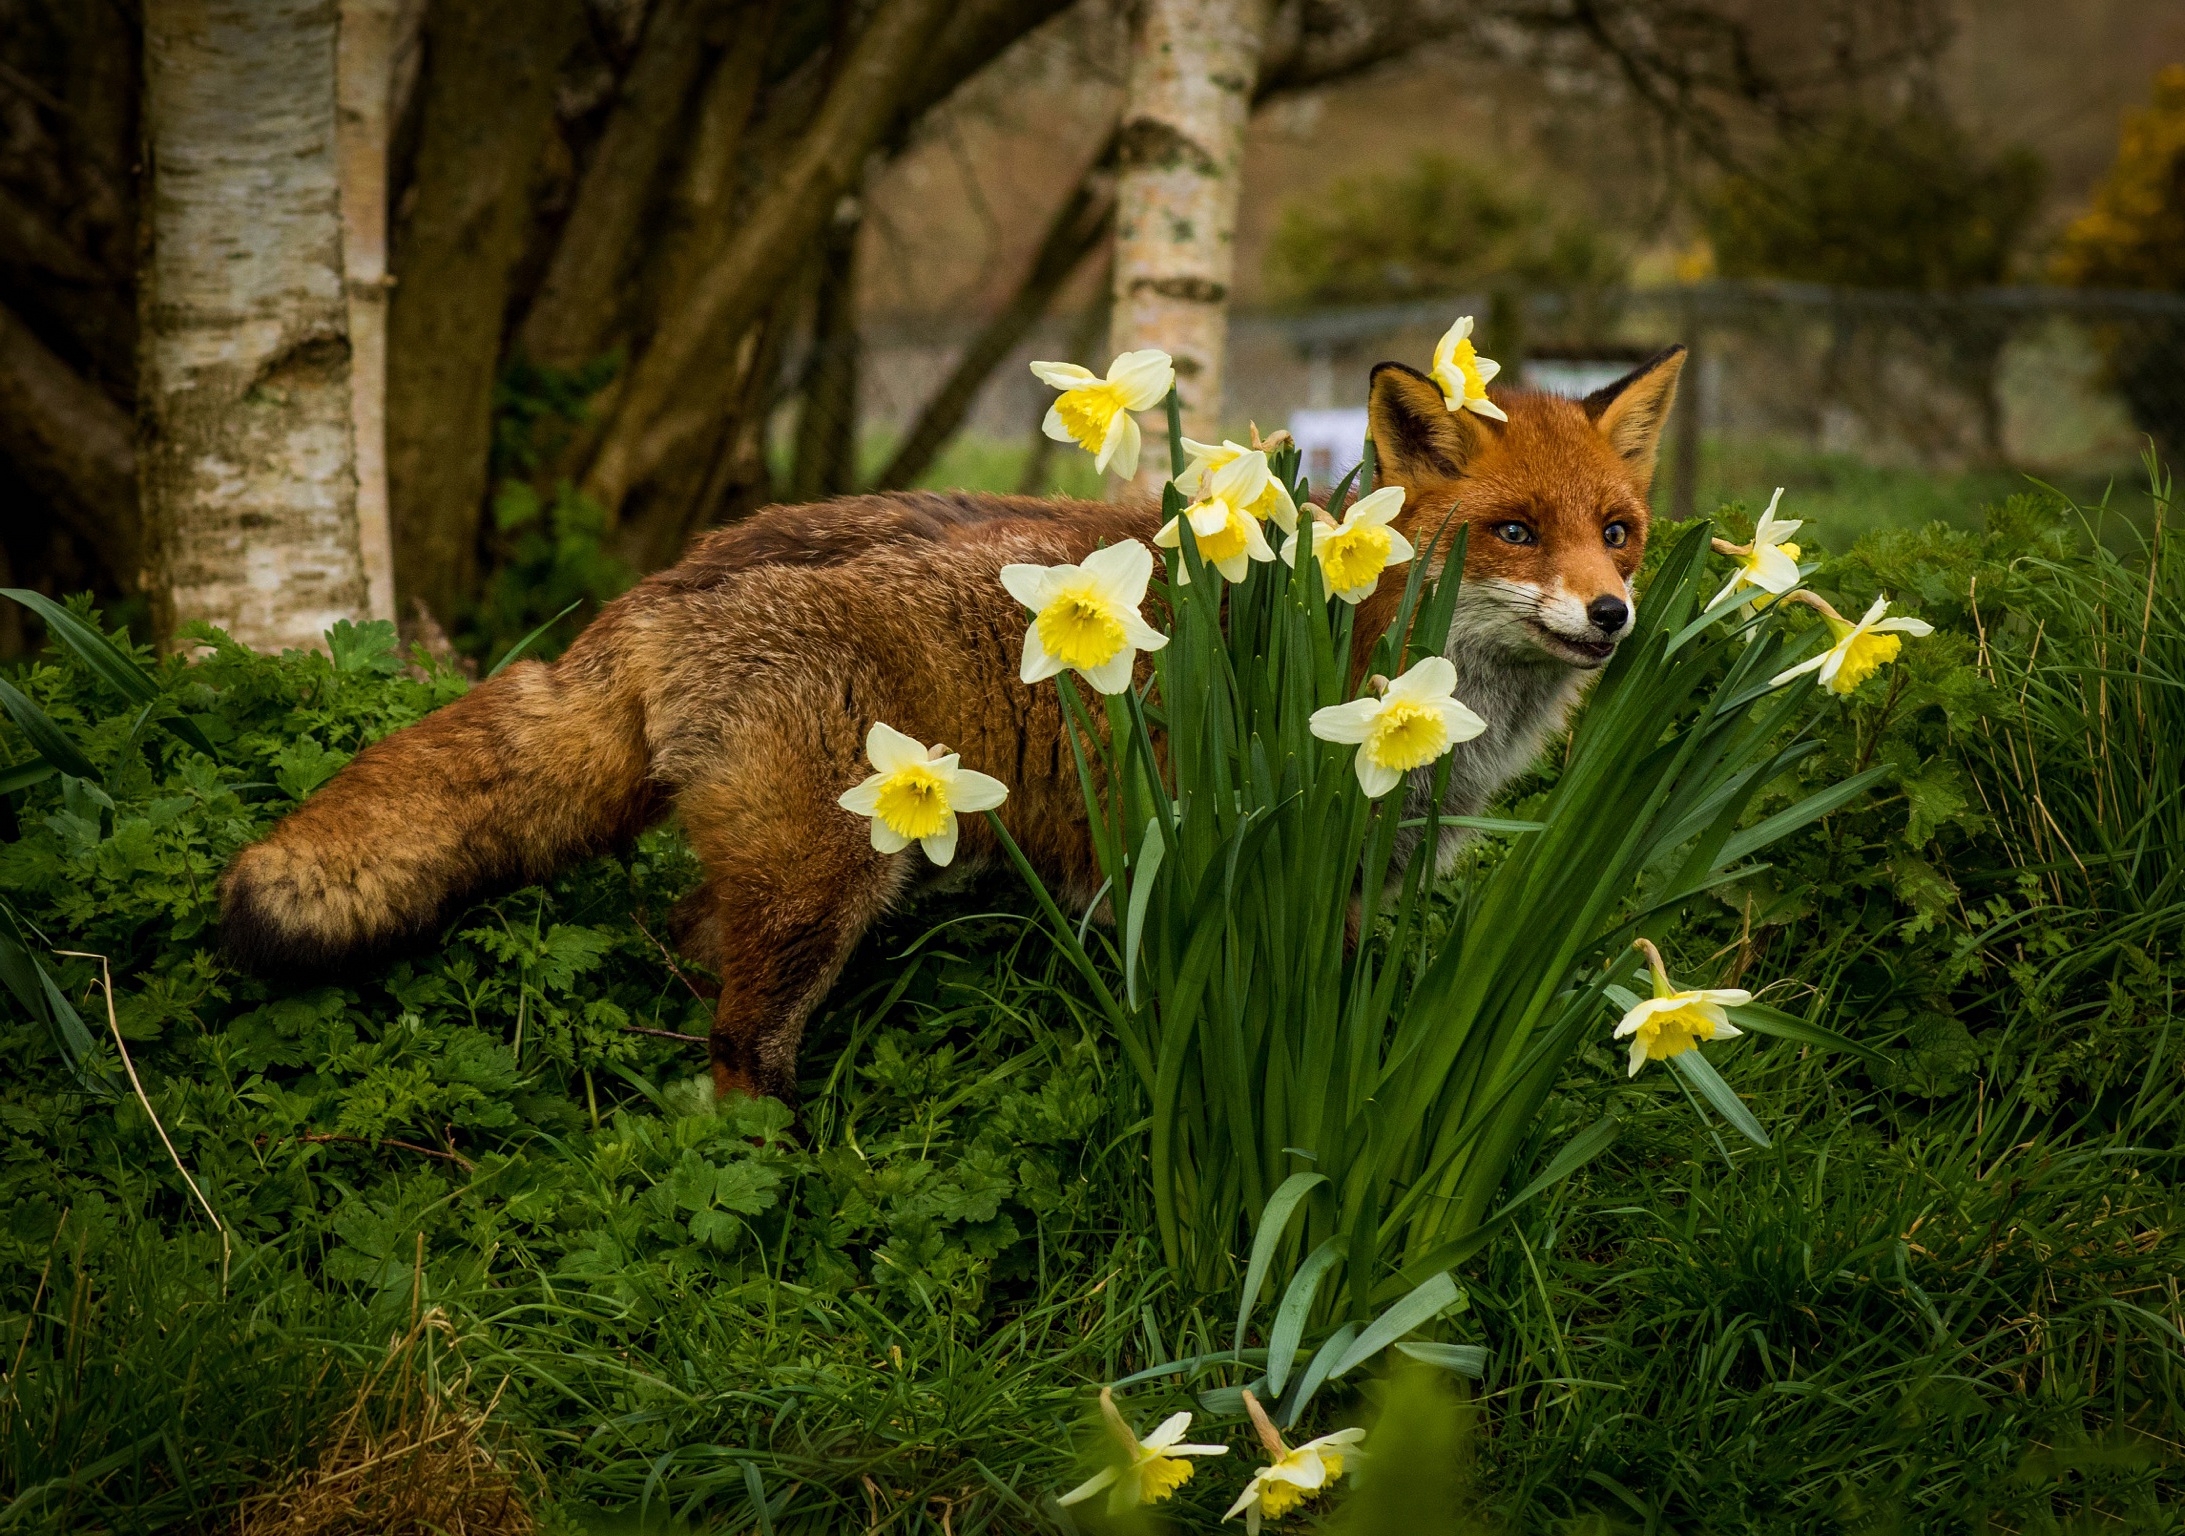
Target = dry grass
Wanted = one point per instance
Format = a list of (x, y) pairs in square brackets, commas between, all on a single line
[(412, 1455)]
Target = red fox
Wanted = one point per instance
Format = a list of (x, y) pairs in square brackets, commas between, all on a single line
[(736, 688)]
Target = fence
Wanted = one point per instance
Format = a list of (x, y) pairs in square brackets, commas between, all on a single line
[(1785, 381)]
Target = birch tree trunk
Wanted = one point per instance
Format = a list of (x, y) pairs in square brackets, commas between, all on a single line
[(1193, 67), (247, 462), (365, 96)]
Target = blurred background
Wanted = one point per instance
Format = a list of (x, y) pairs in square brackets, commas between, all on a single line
[(1920, 249)]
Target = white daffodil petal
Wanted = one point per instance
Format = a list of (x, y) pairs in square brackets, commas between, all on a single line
[(862, 799), (1141, 634), (1039, 663), (1032, 585), (1051, 424), (1344, 723), (971, 790), (1737, 579), (1089, 1487), (1112, 675), (1833, 662), (1880, 607), (1111, 441), (1773, 569), (1143, 377), (1122, 571), (1399, 548), (1064, 375), (1912, 627), (1284, 511), (886, 840), (1167, 1432), (1433, 678), (1125, 462), (1462, 722), (1808, 665), (1376, 506), (1488, 409), (1171, 535), (1375, 778), (1637, 1059), (889, 750), (941, 846), (1487, 368)]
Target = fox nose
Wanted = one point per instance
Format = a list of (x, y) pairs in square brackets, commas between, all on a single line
[(1608, 614)]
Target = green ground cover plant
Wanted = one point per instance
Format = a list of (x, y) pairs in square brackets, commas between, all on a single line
[(1944, 1297)]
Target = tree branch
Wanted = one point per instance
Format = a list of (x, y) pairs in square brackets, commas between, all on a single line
[(1084, 221), (74, 445)]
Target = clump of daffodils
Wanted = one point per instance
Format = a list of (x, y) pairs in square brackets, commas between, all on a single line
[(1463, 374), (1405, 724), (1150, 1469), (1769, 562), (1095, 412), (1673, 1021), (1291, 1476), (1860, 650), (1223, 521), (1085, 617), (915, 792), (1354, 552)]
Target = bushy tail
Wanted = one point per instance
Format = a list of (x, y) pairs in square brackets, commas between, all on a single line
[(527, 772)]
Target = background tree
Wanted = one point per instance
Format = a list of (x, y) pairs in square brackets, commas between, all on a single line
[(248, 470)]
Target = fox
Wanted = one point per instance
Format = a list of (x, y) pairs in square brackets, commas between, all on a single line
[(734, 691)]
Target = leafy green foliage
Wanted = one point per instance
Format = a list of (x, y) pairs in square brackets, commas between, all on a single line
[(1878, 202)]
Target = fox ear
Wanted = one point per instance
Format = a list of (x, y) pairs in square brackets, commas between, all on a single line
[(1415, 435), (1630, 412)]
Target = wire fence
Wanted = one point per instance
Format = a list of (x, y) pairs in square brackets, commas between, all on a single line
[(2065, 384)]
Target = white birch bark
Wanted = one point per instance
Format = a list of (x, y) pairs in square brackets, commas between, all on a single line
[(371, 36), (248, 463), (1193, 67)]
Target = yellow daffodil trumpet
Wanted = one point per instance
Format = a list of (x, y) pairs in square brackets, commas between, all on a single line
[(1672, 1022), (1463, 374), (1291, 1476), (1413, 722), (915, 792), (1095, 412), (1769, 562), (1149, 1470), (1354, 552), (1085, 616), (1860, 650)]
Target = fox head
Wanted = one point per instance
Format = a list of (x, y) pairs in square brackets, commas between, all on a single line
[(1555, 499)]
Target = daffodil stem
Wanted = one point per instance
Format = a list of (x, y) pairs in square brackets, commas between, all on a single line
[(1065, 935), (1653, 959)]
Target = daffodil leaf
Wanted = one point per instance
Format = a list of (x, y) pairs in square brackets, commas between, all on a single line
[(1812, 808), (1701, 1074), (1760, 1019), (1422, 1306), (531, 639), (1323, 1364), (52, 743), (1190, 1364), (1148, 864), (1464, 1359), (1297, 1302), (1274, 1220)]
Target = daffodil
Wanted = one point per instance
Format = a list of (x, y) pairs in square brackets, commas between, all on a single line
[(1861, 649), (1150, 1470), (1354, 552), (1228, 535), (1672, 1022), (1291, 1476), (915, 792), (1085, 616), (1095, 412), (1463, 374), (1412, 723), (1271, 504), (1769, 562)]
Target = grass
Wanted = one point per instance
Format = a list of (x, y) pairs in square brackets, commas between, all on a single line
[(1944, 1299)]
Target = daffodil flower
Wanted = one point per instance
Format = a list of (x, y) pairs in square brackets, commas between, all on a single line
[(1095, 413), (915, 792), (1229, 536), (1085, 616), (1672, 1022), (1769, 562), (1861, 649), (1463, 374), (1151, 1469), (1271, 504), (1413, 722), (1291, 1476), (1354, 552)]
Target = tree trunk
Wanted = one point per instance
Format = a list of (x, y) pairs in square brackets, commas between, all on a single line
[(248, 466), (369, 42), (489, 105), (1193, 66), (826, 451)]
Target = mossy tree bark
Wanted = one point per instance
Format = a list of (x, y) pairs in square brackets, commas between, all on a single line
[(247, 460)]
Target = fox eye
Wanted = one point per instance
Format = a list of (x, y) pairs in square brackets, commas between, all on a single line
[(1511, 532), (1616, 535)]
